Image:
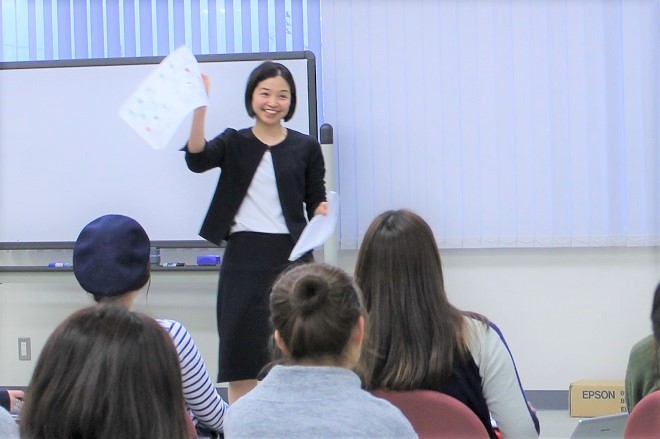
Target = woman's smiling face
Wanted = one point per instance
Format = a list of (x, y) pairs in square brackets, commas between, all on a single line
[(271, 100)]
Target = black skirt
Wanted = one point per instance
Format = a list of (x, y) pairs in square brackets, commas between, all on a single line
[(251, 263)]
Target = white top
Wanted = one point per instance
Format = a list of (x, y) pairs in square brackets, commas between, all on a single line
[(499, 382), (261, 210), (8, 427)]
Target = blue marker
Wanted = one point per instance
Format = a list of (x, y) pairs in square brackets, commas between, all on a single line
[(59, 264)]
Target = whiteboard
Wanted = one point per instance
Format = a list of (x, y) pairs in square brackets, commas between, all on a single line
[(66, 157)]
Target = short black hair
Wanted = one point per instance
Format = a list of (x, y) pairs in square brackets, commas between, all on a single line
[(266, 70)]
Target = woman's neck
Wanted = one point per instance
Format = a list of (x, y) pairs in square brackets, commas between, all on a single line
[(126, 300), (346, 363), (269, 134)]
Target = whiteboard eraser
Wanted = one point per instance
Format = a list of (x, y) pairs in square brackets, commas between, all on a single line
[(208, 260)]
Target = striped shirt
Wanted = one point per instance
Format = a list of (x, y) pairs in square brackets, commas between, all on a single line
[(204, 403)]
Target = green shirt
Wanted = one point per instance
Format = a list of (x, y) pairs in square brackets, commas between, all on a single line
[(642, 375)]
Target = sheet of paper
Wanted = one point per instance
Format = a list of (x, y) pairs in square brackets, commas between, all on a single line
[(318, 230), (165, 98)]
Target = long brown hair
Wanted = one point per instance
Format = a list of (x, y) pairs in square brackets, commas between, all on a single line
[(415, 334), (106, 372), (655, 321)]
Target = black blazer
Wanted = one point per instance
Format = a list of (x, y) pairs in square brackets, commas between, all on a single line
[(299, 173)]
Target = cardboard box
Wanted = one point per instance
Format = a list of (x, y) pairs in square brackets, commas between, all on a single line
[(589, 398)]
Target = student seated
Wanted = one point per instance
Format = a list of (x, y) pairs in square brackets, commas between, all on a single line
[(418, 340), (318, 320), (643, 373), (111, 262), (106, 372)]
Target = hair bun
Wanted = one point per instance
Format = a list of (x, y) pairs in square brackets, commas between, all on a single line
[(309, 294)]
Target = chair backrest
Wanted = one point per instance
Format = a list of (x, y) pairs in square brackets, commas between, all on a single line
[(644, 419), (436, 415)]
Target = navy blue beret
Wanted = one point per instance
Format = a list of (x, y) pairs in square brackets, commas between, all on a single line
[(111, 256)]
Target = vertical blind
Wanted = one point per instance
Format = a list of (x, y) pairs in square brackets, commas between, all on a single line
[(503, 123), (82, 29)]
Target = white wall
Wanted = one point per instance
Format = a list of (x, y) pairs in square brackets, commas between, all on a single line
[(32, 305), (567, 314)]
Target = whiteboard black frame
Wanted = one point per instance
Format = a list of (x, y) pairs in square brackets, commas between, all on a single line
[(262, 56)]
